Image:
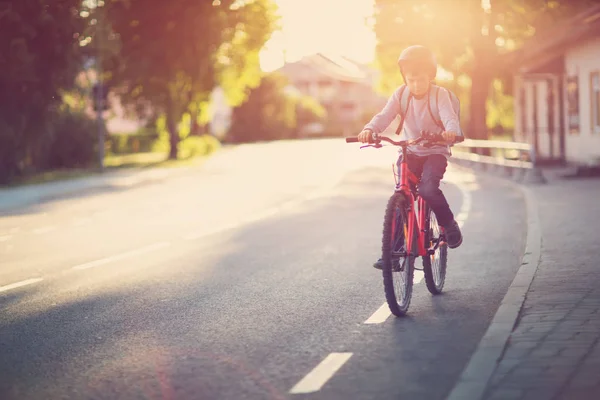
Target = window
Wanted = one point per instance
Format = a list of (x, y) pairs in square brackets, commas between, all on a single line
[(572, 88), (595, 90)]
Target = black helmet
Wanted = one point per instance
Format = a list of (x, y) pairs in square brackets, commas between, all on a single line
[(420, 57)]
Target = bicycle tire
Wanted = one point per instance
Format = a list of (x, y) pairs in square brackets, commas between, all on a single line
[(434, 265), (396, 210)]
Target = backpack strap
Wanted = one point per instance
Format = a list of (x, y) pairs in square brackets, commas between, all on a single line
[(433, 105), (405, 98)]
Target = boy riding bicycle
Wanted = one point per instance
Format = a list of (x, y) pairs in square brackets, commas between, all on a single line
[(418, 68)]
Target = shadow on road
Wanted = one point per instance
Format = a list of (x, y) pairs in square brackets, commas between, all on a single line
[(248, 312)]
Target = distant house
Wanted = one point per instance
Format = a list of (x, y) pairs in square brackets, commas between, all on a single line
[(557, 91), (344, 88)]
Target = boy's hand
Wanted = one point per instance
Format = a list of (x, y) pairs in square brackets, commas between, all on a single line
[(449, 136), (365, 136)]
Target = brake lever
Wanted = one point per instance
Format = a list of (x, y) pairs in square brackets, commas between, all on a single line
[(377, 146)]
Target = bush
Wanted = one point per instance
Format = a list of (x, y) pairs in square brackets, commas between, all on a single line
[(212, 144), (72, 141), (194, 146), (308, 111), (10, 153), (267, 114), (140, 142)]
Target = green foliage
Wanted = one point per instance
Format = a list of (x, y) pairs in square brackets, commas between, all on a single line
[(140, 142), (467, 39), (173, 53), (71, 142), (268, 114), (308, 110), (500, 106), (194, 146), (248, 29), (271, 112), (38, 57)]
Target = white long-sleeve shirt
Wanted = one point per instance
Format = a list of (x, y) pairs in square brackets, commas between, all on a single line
[(417, 119)]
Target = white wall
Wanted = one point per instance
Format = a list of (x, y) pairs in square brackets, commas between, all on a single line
[(537, 86), (581, 61)]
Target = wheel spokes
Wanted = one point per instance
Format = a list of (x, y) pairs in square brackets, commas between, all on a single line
[(400, 258)]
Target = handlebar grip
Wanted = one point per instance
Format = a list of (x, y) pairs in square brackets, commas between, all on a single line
[(351, 140)]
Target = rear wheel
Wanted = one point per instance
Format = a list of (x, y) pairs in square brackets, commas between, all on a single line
[(398, 267), (434, 265)]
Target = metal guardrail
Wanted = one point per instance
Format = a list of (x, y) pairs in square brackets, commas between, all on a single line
[(521, 169)]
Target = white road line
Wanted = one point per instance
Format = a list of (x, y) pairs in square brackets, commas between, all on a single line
[(19, 284), (122, 256), (418, 276), (44, 229), (465, 209), (383, 313), (380, 315), (316, 378), (5, 238)]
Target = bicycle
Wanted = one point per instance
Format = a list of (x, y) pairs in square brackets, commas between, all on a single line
[(420, 236)]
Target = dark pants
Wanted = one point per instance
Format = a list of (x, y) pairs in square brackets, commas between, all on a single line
[(431, 170)]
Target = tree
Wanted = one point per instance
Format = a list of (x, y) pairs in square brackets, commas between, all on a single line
[(272, 111), (267, 114), (469, 38), (38, 57), (174, 53)]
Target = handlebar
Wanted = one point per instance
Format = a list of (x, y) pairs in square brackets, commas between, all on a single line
[(427, 137)]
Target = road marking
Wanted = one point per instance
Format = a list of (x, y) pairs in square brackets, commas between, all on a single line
[(314, 381), (44, 229), (5, 238), (465, 209), (383, 312), (19, 284), (418, 276), (380, 315), (122, 256)]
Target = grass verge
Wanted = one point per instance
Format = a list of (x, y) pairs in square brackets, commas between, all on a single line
[(111, 163)]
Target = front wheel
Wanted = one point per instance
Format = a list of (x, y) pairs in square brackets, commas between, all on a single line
[(434, 265), (398, 266)]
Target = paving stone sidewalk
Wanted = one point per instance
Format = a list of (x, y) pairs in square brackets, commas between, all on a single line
[(554, 351)]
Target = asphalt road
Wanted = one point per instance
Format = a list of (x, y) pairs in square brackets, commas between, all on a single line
[(249, 278)]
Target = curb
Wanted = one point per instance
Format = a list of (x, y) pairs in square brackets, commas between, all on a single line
[(475, 377)]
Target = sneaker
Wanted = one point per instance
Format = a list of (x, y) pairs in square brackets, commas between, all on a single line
[(379, 265), (453, 235)]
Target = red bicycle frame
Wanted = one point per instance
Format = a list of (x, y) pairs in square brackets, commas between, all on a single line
[(414, 218), (417, 220)]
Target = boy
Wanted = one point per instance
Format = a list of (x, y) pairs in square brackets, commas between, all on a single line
[(418, 68)]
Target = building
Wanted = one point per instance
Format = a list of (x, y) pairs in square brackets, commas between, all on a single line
[(344, 88), (557, 91)]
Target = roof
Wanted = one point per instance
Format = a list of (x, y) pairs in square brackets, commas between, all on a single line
[(333, 66), (552, 43)]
